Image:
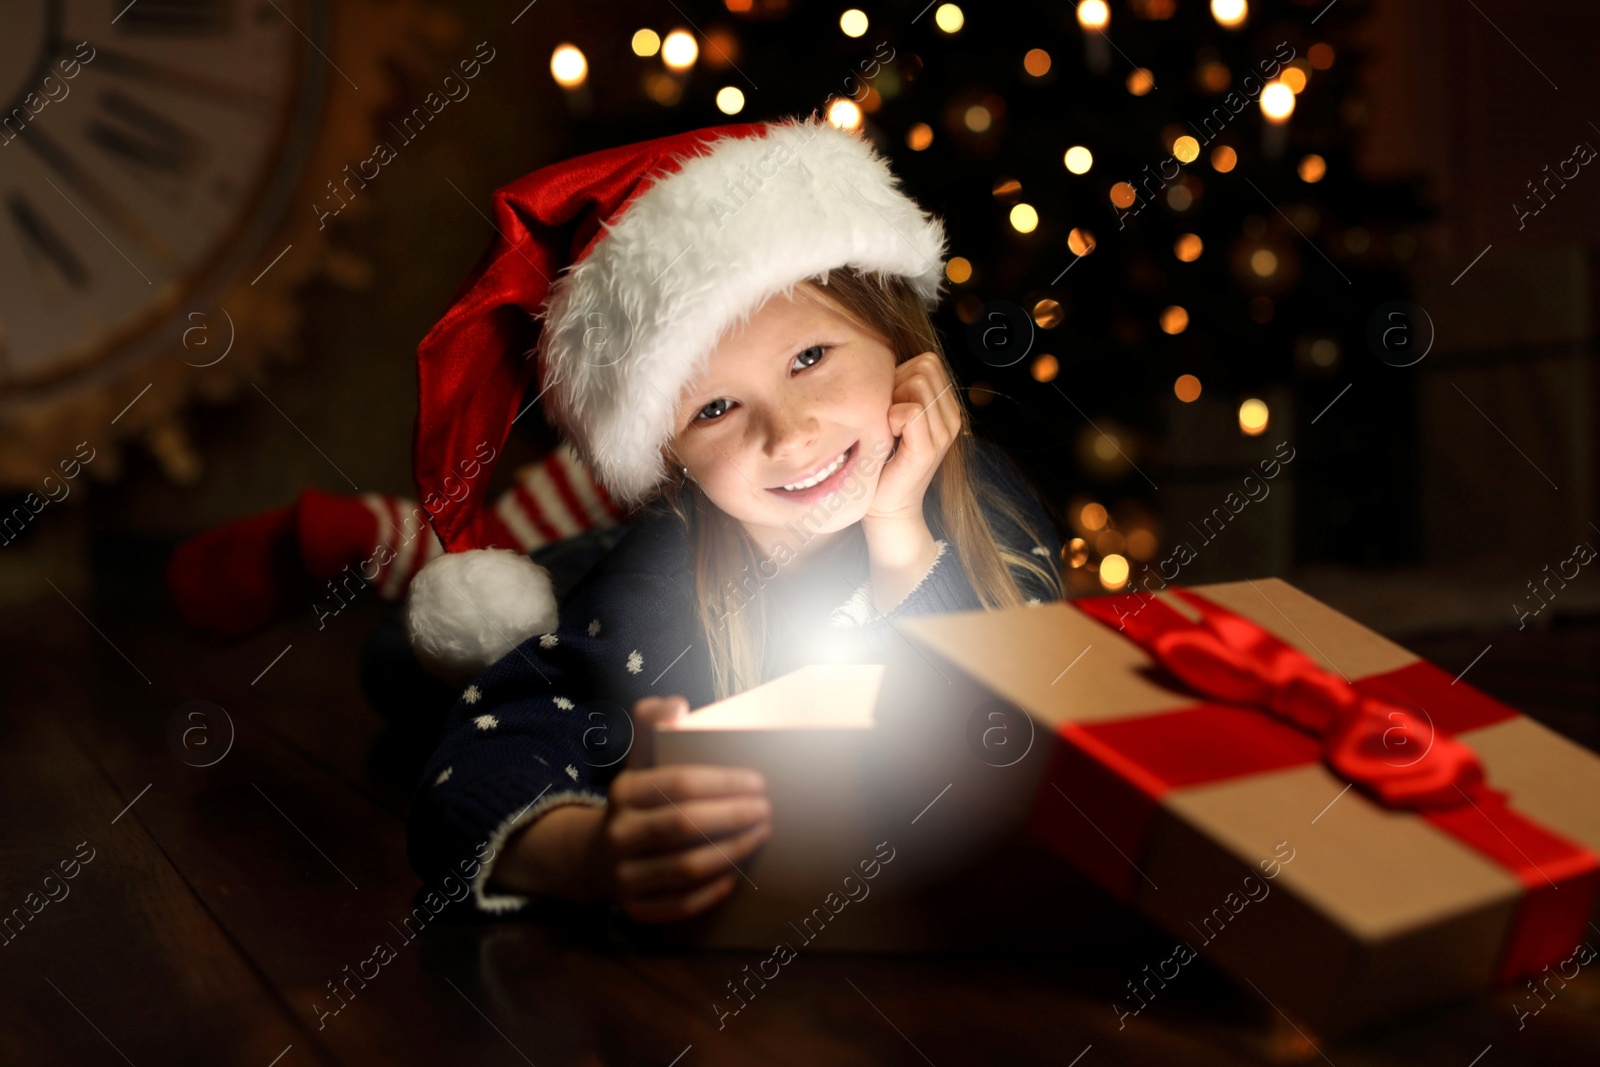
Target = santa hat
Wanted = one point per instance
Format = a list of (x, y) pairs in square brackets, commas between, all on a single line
[(613, 277)]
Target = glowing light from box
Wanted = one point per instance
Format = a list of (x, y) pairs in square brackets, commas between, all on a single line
[(1045, 367), (1036, 62), (1024, 219), (1313, 168), (919, 137), (958, 269), (1093, 516), (1188, 247), (853, 22), (730, 101), (1094, 15), (1123, 195), (1294, 78), (1079, 159), (1186, 149), (1141, 81), (1186, 388), (1223, 159), (1080, 241), (1047, 314), (1174, 320)]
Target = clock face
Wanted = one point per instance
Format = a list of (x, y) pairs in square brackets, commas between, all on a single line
[(146, 151)]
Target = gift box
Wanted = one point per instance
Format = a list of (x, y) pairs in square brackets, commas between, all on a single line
[(861, 856), (1343, 826)]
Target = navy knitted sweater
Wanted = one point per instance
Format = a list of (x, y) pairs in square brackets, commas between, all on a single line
[(548, 724)]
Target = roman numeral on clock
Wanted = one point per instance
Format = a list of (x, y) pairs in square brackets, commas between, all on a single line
[(178, 18), (133, 133), (38, 235)]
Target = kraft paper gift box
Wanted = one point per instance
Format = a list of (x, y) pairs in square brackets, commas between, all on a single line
[(857, 859), (1313, 808)]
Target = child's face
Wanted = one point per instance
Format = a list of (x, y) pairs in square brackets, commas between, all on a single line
[(780, 399)]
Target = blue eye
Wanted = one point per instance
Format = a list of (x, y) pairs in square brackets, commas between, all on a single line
[(819, 349), (701, 417)]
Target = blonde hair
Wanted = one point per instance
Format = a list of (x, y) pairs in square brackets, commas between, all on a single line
[(722, 550)]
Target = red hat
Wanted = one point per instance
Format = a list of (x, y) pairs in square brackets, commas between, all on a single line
[(620, 271)]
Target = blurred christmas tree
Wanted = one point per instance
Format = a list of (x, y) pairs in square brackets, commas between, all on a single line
[(1156, 205)]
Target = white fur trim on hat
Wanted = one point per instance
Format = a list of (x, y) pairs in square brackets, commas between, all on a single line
[(633, 322), (465, 610)]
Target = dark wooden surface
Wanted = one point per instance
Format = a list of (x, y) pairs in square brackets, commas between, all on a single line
[(221, 903)]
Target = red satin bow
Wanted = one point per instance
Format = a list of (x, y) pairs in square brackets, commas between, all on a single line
[(1365, 740)]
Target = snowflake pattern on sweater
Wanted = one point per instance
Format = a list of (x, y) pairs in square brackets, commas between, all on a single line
[(548, 724)]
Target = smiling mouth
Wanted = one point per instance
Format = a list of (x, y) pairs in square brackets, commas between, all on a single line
[(821, 477)]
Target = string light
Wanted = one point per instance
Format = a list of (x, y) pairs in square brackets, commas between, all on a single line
[(679, 50), (844, 114), (1036, 62), (1188, 248), (568, 66), (730, 100), (1080, 241), (1045, 367), (1277, 102), (853, 22), (1079, 159), (1186, 388), (949, 18), (1113, 572), (1253, 417), (1094, 15), (646, 43), (1174, 320), (1047, 314), (919, 137), (1313, 168), (1186, 149), (1024, 219), (1229, 13), (958, 269), (1141, 81), (1223, 159)]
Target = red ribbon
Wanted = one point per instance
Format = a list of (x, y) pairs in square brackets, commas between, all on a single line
[(1271, 707), (1365, 740)]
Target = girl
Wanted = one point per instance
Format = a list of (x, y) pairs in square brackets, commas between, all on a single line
[(824, 484)]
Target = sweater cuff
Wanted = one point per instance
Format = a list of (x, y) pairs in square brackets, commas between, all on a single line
[(859, 611), (525, 797)]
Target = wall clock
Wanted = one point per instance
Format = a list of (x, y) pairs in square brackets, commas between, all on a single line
[(158, 160)]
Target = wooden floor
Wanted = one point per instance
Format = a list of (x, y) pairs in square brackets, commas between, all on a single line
[(219, 905)]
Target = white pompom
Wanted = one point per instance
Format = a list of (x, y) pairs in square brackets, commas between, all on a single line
[(465, 610)]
